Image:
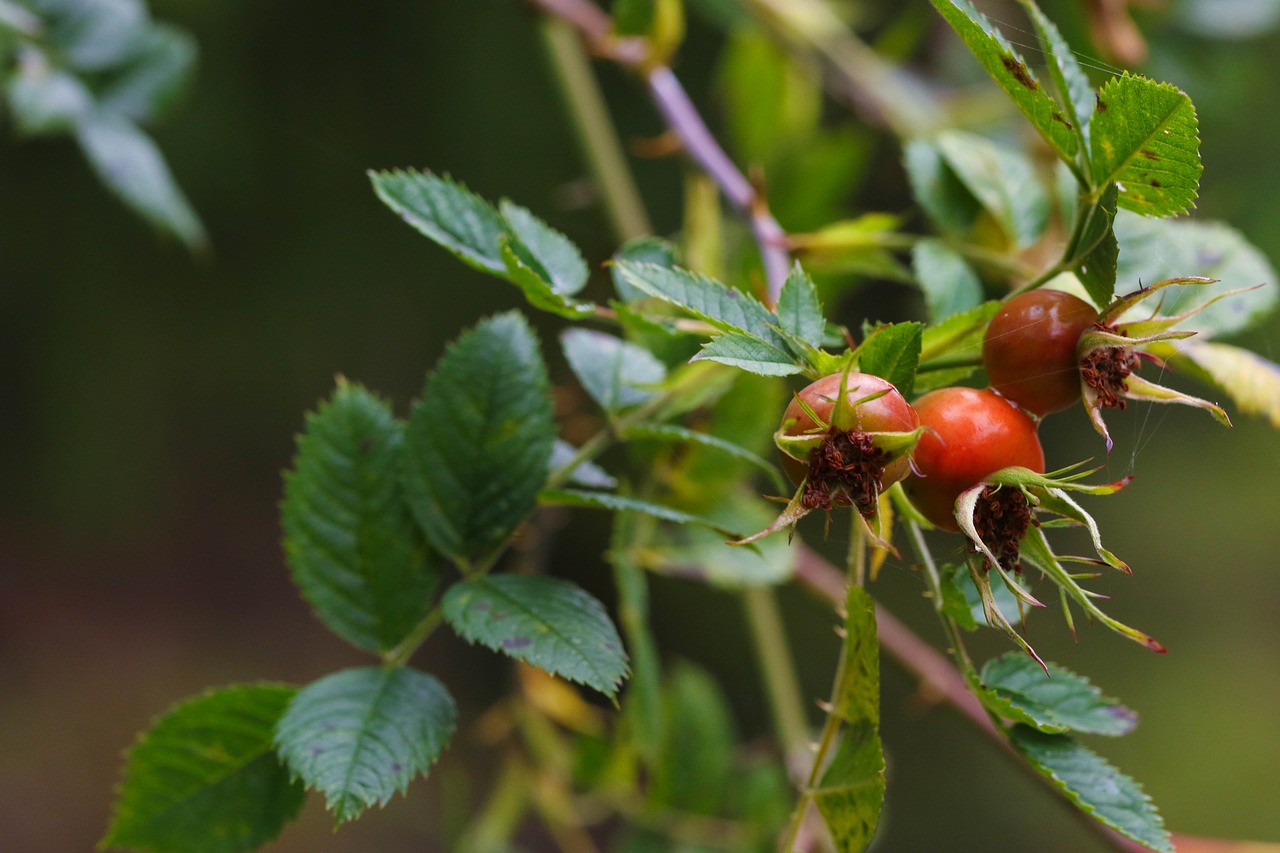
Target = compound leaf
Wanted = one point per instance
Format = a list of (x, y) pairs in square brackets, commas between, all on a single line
[(550, 623), (749, 353), (205, 777), (354, 550), (1064, 69), (1144, 138), (1015, 686), (1096, 787), (892, 352), (800, 310), (1002, 179), (554, 253), (478, 443), (360, 735)]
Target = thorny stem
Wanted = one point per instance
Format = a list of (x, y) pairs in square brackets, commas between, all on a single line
[(685, 122)]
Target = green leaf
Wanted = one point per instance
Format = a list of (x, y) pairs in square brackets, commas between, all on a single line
[(952, 349), (478, 443), (1100, 790), (619, 503), (360, 735), (614, 372), (448, 213), (1156, 249), (1072, 84), (527, 274), (1016, 687), (99, 35), (205, 778), (800, 310), (553, 252), (1144, 137), (725, 308), (650, 250), (46, 100), (749, 353), (352, 546), (1010, 71), (18, 20), (1095, 256), (850, 794), (1002, 179), (696, 767), (949, 284), (131, 166), (1252, 382), (938, 189), (155, 76), (892, 352), (550, 623)]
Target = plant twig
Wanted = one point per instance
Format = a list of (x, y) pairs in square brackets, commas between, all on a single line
[(685, 122)]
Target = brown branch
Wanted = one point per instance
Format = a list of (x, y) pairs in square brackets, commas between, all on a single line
[(686, 123)]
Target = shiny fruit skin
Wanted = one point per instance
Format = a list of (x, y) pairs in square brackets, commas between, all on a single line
[(970, 434), (1029, 350), (889, 412)]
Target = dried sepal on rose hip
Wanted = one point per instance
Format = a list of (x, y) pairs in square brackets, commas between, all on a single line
[(843, 440), (1109, 355)]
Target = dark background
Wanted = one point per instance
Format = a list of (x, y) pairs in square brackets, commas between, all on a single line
[(150, 401)]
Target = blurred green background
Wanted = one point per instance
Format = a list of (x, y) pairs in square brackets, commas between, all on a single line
[(151, 401)]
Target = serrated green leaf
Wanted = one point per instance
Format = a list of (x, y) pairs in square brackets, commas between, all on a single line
[(1056, 702), (1251, 381), (550, 623), (850, 794), (619, 503), (749, 353), (46, 100), (1096, 787), (1144, 137), (448, 213), (352, 546), (958, 336), (131, 166), (361, 735), (478, 443), (1096, 255), (949, 284), (554, 253), (154, 76), (800, 310), (614, 372), (1068, 77), (649, 250), (892, 352), (1011, 72), (727, 309), (1156, 249), (524, 271), (204, 778), (1002, 179)]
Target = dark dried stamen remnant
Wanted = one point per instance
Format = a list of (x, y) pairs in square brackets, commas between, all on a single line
[(1105, 370), (846, 469), (1002, 517)]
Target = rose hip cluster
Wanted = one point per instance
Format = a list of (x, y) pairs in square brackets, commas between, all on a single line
[(970, 459)]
